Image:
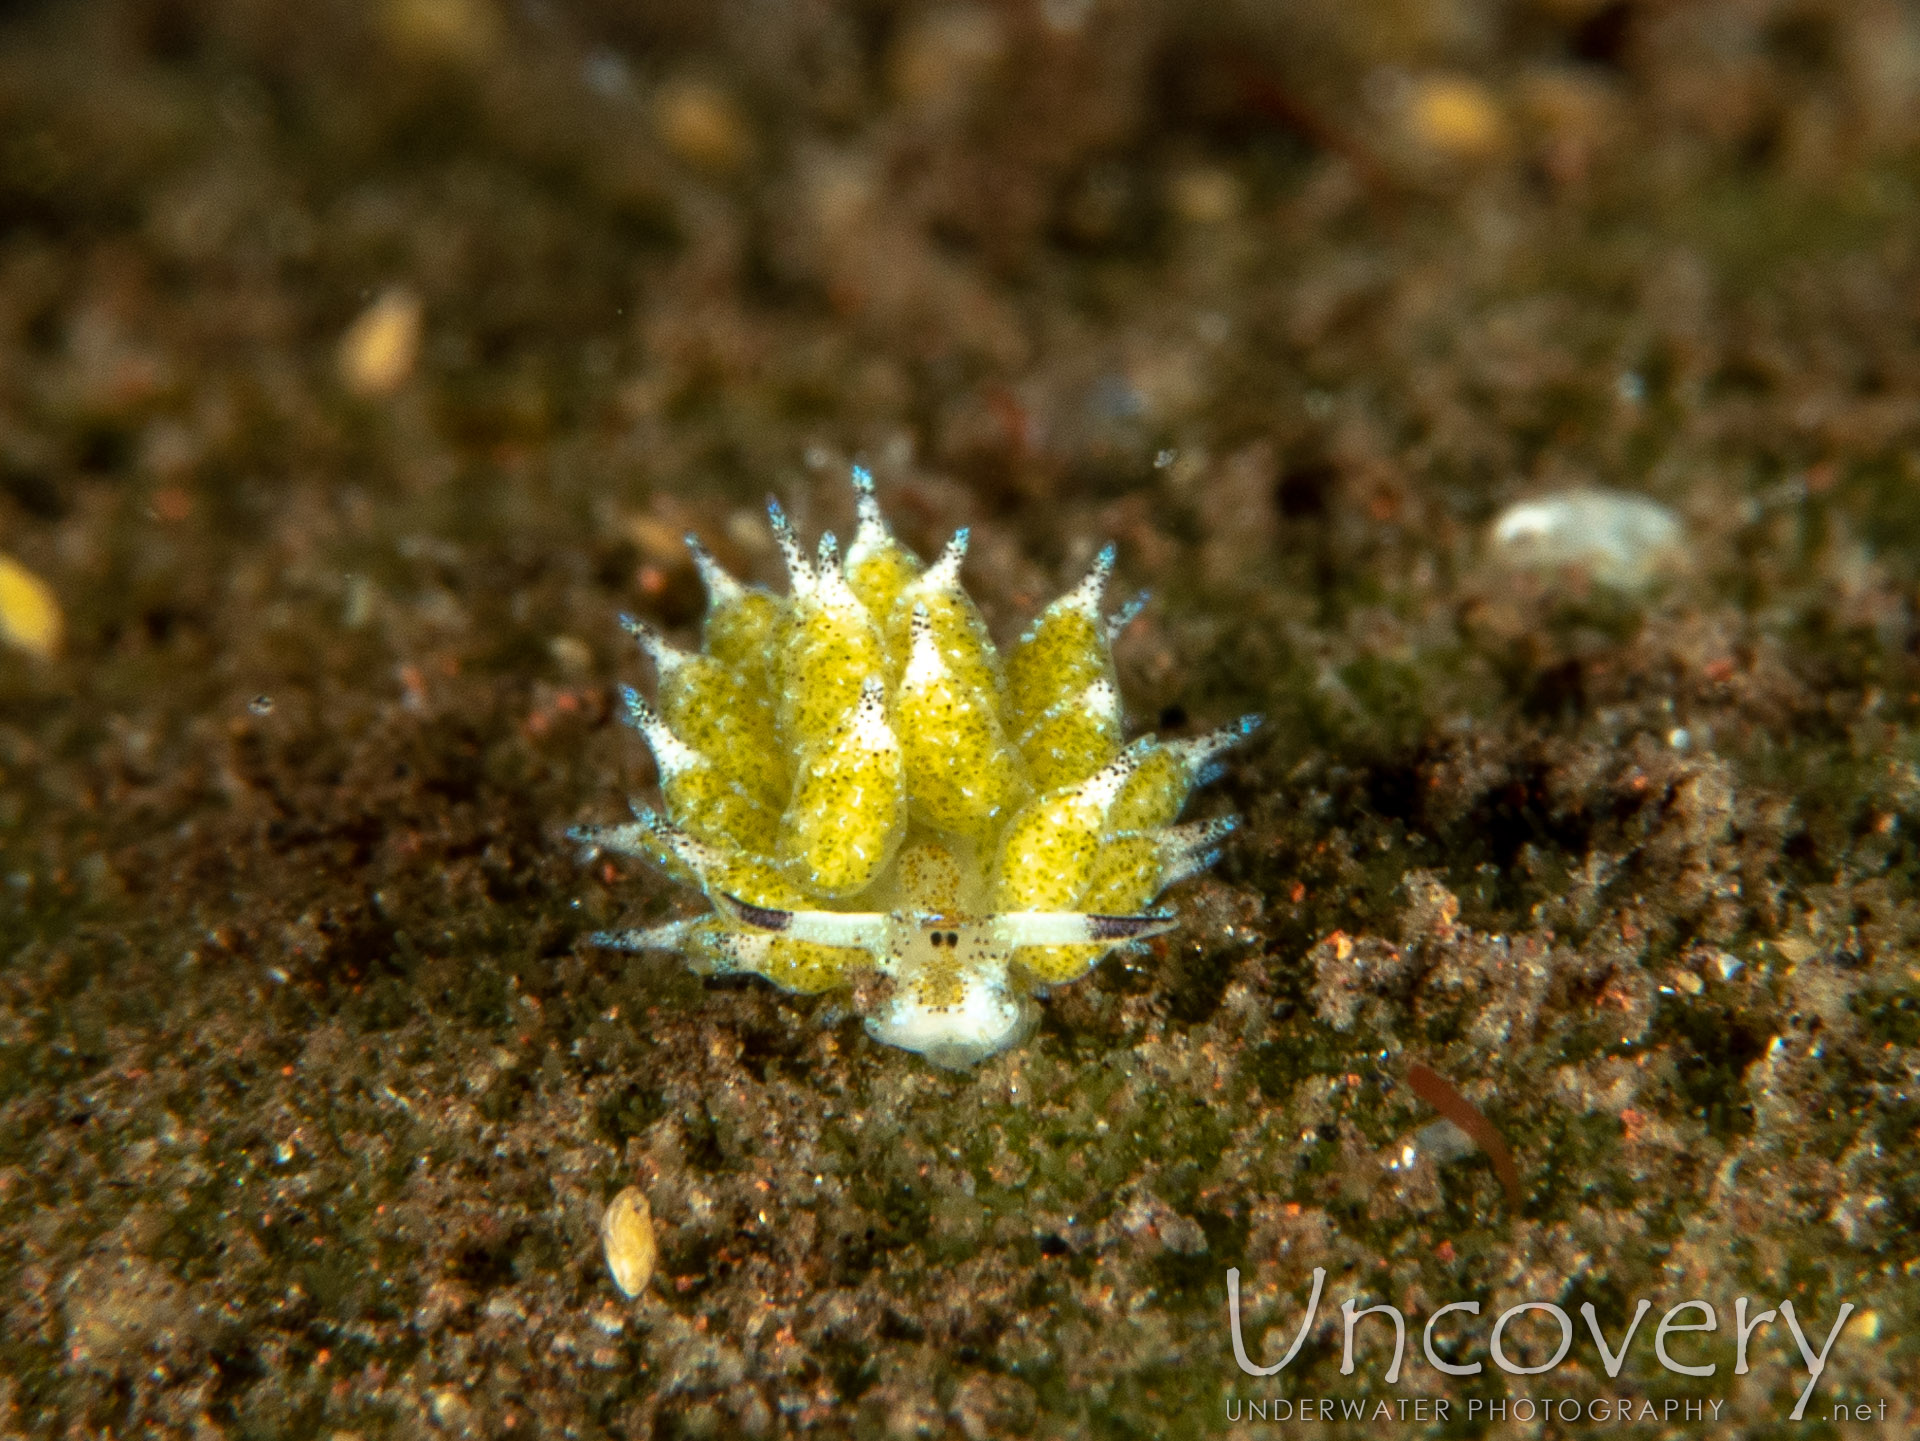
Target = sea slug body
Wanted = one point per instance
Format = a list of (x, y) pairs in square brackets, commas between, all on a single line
[(858, 780)]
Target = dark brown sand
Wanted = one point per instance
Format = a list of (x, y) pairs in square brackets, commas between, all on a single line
[(311, 1090)]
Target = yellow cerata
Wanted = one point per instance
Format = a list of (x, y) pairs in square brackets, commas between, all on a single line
[(859, 780)]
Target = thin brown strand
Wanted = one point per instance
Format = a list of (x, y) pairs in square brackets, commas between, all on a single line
[(1440, 1093)]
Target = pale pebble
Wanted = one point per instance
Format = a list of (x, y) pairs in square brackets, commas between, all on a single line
[(627, 1233), (1620, 540), (29, 614)]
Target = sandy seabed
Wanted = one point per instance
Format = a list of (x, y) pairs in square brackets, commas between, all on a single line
[(359, 363)]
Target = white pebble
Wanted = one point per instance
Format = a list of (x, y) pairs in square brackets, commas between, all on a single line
[(1620, 540), (1445, 1142)]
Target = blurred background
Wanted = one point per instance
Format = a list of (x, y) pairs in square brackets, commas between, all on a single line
[(360, 362)]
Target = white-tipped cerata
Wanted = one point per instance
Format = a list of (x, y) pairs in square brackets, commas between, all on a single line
[(800, 577), (721, 588)]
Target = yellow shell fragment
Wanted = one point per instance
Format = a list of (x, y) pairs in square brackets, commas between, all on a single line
[(1455, 116), (626, 1233), (703, 125), (379, 350), (29, 615)]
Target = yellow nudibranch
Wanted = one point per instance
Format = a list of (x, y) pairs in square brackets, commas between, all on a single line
[(858, 780)]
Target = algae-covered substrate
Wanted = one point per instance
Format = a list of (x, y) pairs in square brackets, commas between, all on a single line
[(361, 363)]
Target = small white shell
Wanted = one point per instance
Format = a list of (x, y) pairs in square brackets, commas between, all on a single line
[(1621, 540), (627, 1232), (379, 350)]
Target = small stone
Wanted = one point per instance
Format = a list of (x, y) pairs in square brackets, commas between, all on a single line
[(571, 654), (1455, 117), (461, 32), (1620, 540), (1568, 115), (659, 542), (378, 352), (702, 125), (1204, 194), (450, 1410), (627, 1231), (942, 59), (29, 615), (1445, 1142), (122, 1309)]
